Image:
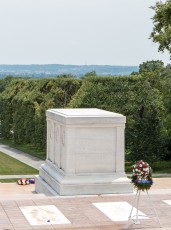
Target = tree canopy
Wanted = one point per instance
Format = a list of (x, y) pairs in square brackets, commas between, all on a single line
[(161, 33)]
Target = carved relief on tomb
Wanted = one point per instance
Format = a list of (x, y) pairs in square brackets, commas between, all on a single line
[(50, 148), (62, 135), (57, 144), (62, 146)]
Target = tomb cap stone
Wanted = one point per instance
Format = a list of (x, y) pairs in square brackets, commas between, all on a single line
[(78, 116)]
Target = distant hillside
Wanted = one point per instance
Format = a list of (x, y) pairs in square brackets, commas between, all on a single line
[(51, 70)]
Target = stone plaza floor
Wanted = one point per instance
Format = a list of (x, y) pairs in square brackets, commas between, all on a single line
[(22, 209)]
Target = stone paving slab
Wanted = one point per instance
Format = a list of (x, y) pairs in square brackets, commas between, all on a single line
[(79, 210)]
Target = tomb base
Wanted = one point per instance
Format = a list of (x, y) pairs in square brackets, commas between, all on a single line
[(53, 181)]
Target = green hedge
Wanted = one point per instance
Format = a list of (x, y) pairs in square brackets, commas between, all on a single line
[(24, 101)]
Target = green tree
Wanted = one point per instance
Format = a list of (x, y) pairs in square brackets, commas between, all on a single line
[(89, 74), (161, 33), (4, 82), (166, 71), (151, 66)]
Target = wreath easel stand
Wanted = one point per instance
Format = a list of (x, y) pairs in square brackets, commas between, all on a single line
[(142, 181), (136, 217)]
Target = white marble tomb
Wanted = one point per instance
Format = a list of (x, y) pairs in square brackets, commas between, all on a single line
[(85, 153)]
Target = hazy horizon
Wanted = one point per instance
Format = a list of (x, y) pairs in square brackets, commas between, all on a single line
[(50, 70), (68, 65)]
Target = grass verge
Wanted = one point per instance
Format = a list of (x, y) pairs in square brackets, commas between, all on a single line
[(11, 166), (10, 180)]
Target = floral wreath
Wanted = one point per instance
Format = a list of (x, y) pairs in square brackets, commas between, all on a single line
[(142, 176), (26, 181)]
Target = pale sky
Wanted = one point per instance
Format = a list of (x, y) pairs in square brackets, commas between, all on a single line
[(103, 32)]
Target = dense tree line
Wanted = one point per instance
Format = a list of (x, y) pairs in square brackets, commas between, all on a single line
[(144, 98)]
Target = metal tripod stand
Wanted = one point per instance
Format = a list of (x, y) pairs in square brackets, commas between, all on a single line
[(136, 218)]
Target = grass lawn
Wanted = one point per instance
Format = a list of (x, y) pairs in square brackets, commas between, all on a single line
[(11, 166)]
